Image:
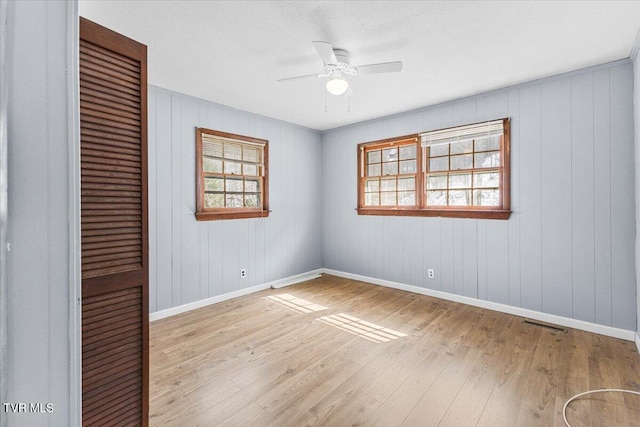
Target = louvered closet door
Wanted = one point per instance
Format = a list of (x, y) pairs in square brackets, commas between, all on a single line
[(113, 111)]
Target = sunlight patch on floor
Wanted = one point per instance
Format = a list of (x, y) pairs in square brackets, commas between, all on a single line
[(361, 328), (296, 304)]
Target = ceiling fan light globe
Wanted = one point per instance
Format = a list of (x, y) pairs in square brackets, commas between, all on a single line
[(337, 86)]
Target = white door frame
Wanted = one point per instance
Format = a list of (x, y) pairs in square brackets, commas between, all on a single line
[(75, 260), (4, 105)]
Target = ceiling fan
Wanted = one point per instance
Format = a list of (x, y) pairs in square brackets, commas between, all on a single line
[(337, 68)]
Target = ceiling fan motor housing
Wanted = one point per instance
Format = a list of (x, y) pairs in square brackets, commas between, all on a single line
[(342, 67), (341, 56), (337, 64)]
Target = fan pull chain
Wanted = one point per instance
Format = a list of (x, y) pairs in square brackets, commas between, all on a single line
[(325, 101)]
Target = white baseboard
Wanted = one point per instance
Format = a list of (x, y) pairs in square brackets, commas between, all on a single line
[(279, 283), (517, 311), (292, 280)]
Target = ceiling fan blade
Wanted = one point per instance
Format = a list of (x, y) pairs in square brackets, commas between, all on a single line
[(298, 77), (326, 53), (385, 67)]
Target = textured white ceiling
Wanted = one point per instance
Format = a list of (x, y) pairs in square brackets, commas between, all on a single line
[(232, 52)]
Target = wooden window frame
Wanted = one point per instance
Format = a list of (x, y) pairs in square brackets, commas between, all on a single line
[(211, 214), (363, 149), (421, 209)]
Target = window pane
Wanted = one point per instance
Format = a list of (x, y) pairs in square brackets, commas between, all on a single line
[(231, 174), (234, 185), (250, 154), (408, 152), (234, 200), (251, 170), (232, 168), (486, 179), (373, 156), (211, 165), (232, 151), (408, 166), (460, 180), (389, 154), (373, 170), (462, 147), (455, 173), (460, 198), (406, 184), (214, 200), (372, 185), (251, 200), (406, 198), (488, 144), (488, 160), (439, 164), (213, 184), (462, 162), (388, 199), (439, 150), (437, 198), (388, 184), (211, 148), (486, 198), (390, 168), (372, 199), (435, 182), (251, 186)]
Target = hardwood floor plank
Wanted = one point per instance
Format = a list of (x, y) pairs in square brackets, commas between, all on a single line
[(471, 342), (570, 385), (247, 417), (351, 409), (392, 304), (251, 361), (541, 377), (404, 398), (469, 403), (293, 400), (364, 391), (513, 372), (611, 406), (189, 402)]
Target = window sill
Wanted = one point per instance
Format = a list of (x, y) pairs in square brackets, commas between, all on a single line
[(446, 213), (215, 216)]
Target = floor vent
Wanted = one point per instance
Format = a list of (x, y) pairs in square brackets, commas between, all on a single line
[(545, 325)]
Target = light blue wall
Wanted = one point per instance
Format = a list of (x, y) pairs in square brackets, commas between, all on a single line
[(192, 260), (635, 54), (568, 248), (43, 214)]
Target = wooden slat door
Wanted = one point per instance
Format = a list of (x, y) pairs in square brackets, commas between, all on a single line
[(113, 122)]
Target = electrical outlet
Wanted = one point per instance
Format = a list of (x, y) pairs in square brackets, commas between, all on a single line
[(431, 274), (243, 273)]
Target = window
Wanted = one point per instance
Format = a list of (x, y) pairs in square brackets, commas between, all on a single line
[(454, 172), (390, 172), (232, 180)]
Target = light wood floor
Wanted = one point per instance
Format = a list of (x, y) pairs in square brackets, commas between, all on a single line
[(254, 361)]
